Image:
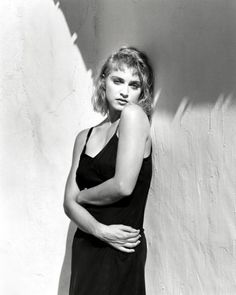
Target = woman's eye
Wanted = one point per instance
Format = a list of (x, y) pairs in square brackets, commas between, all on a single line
[(135, 86), (117, 81)]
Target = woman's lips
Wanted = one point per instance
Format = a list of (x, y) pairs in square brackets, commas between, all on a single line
[(122, 101)]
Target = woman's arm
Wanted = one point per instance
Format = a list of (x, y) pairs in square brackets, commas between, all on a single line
[(134, 130), (121, 237), (74, 211)]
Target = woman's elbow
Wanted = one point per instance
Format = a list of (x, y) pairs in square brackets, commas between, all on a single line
[(125, 189), (66, 207)]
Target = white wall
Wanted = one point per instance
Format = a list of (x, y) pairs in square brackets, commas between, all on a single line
[(45, 100), (190, 218)]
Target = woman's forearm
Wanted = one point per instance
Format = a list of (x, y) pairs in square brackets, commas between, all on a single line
[(119, 236), (83, 219), (106, 193)]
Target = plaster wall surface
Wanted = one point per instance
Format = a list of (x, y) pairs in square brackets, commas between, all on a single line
[(49, 55), (45, 101), (190, 216)]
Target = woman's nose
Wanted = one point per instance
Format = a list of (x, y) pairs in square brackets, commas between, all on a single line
[(124, 95), (124, 92)]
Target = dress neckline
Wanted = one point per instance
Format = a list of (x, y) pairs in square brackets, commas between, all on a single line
[(102, 150), (105, 146)]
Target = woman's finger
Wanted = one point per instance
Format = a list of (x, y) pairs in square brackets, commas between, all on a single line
[(124, 249), (129, 229), (131, 235), (125, 236), (131, 245), (133, 239)]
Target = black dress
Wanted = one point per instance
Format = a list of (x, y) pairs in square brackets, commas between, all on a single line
[(97, 268)]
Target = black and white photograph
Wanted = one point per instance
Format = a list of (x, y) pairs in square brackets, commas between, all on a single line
[(118, 147)]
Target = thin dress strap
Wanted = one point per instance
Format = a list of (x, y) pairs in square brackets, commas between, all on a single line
[(87, 138), (116, 132)]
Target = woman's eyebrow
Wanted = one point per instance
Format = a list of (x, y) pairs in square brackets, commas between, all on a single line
[(135, 81), (117, 77), (122, 79)]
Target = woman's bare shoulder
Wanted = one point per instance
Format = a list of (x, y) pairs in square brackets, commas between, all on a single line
[(135, 113), (81, 138)]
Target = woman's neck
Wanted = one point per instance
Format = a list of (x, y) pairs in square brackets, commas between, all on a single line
[(113, 117)]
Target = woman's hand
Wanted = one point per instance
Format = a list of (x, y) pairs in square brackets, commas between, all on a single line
[(80, 197), (119, 236)]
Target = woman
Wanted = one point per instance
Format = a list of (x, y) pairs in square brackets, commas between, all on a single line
[(109, 180)]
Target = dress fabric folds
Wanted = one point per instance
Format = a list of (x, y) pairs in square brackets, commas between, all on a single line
[(97, 268)]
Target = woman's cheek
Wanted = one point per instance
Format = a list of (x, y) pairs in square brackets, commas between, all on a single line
[(136, 95)]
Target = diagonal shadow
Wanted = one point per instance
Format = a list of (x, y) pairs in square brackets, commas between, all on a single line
[(191, 45), (80, 18), (64, 280)]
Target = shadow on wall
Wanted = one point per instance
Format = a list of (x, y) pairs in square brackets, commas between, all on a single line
[(191, 45), (64, 279)]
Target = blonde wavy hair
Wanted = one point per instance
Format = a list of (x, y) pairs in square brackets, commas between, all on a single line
[(133, 59)]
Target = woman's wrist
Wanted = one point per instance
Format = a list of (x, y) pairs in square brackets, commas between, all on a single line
[(100, 231)]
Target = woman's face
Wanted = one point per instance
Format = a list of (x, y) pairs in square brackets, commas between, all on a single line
[(122, 87)]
